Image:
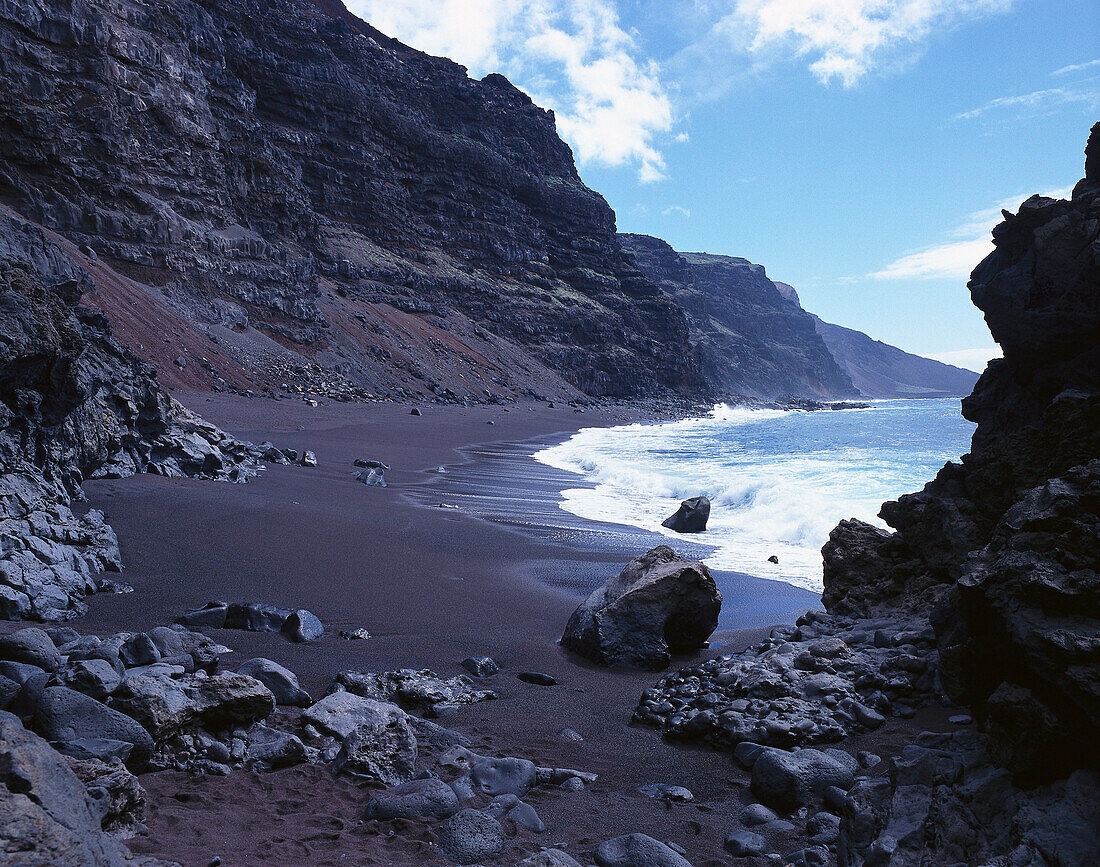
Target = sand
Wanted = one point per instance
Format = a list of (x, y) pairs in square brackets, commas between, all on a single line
[(433, 586)]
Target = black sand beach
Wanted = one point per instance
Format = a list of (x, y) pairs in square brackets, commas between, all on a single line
[(433, 586)]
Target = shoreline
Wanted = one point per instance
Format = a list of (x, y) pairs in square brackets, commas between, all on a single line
[(432, 589)]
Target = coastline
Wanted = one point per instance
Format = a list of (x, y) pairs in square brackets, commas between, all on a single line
[(432, 587)]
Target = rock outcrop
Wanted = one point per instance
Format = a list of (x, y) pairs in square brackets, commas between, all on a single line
[(658, 605), (339, 212), (1005, 543), (749, 338), (73, 405)]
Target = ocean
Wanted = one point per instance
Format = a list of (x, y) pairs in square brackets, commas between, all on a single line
[(778, 480)]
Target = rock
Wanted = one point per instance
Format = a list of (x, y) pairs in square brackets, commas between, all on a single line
[(9, 689), (756, 814), (691, 517), (480, 666), (255, 617), (510, 808), (93, 677), (789, 780), (359, 634), (309, 459), (823, 829), (31, 646), (210, 616), (168, 641), (773, 559), (383, 749), (666, 792), (744, 844), (166, 705), (415, 691), (470, 836), (47, 816), (302, 626), (537, 678), (375, 477), (549, 858), (269, 749), (507, 776), (282, 683), (431, 799), (116, 792), (570, 735), (64, 716), (746, 753), (138, 650), (340, 713), (19, 672), (658, 605), (638, 850), (415, 411)]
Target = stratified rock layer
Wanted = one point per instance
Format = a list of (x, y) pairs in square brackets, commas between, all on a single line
[(336, 209)]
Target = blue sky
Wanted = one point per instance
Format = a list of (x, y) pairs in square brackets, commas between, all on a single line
[(860, 149)]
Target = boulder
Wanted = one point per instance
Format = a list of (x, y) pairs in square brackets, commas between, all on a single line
[(255, 617), (116, 792), (301, 626), (138, 650), (383, 749), (166, 705), (744, 844), (691, 517), (47, 816), (470, 836), (430, 799), (480, 666), (789, 780), (64, 715), (282, 683), (31, 646), (414, 691), (507, 776), (269, 749), (509, 808), (658, 605), (93, 677), (666, 792), (340, 713), (549, 858), (638, 850)]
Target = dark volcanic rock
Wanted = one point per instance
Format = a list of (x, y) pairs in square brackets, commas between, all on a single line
[(750, 339), (659, 604), (296, 179), (1013, 529), (691, 517)]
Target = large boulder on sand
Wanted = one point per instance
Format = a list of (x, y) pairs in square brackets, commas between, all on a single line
[(691, 517), (659, 604)]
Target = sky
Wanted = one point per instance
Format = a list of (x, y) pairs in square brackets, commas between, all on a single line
[(861, 150)]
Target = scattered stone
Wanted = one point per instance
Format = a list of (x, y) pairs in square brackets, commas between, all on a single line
[(507, 776), (301, 626), (691, 517), (116, 792), (666, 792), (756, 814), (282, 683), (773, 559), (359, 634), (430, 799), (537, 678), (93, 677), (961, 719), (63, 715), (658, 605), (415, 691), (743, 844), (309, 459), (788, 780), (470, 836), (823, 829), (480, 666), (570, 735), (549, 858), (269, 749), (868, 760), (638, 850), (32, 646), (511, 808), (415, 411)]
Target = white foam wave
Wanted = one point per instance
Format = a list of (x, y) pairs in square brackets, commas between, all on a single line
[(779, 481)]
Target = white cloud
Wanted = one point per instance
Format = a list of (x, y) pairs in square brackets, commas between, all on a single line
[(1035, 102), (1077, 67), (571, 55), (954, 260), (676, 210), (971, 359), (845, 39)]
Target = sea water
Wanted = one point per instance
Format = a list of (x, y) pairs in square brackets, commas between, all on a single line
[(778, 480)]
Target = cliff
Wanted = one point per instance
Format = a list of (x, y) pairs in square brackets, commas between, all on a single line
[(880, 370), (330, 209), (1002, 547), (750, 339)]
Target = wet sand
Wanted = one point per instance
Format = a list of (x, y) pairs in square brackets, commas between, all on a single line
[(433, 586)]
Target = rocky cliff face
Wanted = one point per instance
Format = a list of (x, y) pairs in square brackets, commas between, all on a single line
[(750, 339), (329, 206), (1005, 544), (879, 370), (73, 405)]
